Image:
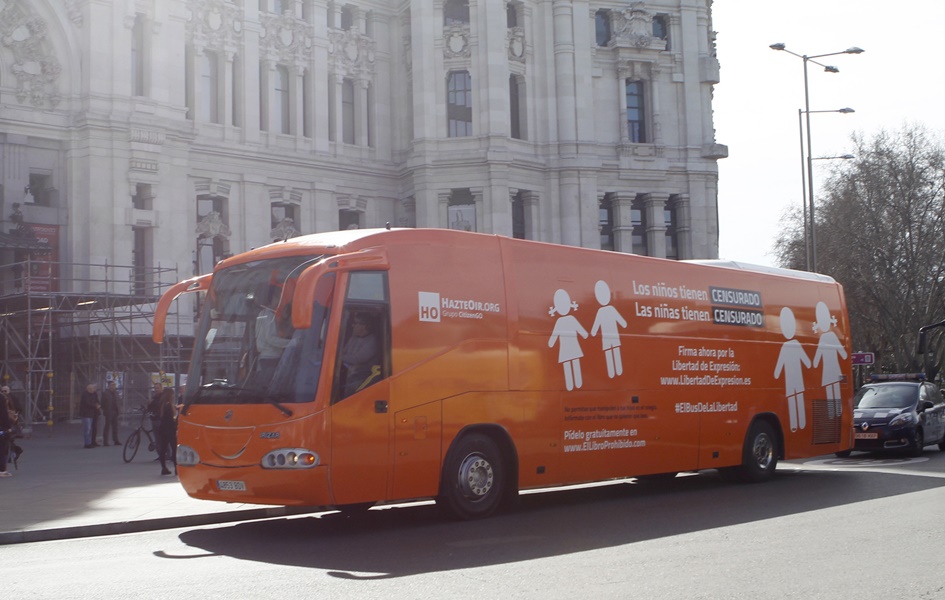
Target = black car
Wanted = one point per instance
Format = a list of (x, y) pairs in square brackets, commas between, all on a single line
[(898, 412)]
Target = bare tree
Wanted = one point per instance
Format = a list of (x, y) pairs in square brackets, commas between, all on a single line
[(880, 226)]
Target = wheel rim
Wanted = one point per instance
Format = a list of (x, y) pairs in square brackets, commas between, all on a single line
[(476, 477), (763, 451)]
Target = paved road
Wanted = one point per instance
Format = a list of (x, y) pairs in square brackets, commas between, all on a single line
[(62, 490)]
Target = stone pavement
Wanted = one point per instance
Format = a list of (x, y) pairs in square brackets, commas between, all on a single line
[(62, 490)]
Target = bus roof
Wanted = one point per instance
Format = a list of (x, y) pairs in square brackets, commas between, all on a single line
[(341, 242)]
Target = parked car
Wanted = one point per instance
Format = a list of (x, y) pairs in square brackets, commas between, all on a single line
[(898, 412)]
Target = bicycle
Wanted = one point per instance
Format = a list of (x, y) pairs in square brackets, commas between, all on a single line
[(134, 440)]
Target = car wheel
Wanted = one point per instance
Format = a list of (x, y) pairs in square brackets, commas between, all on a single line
[(919, 444), (842, 454)]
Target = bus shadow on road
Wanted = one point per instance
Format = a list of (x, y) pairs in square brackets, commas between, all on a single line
[(412, 539)]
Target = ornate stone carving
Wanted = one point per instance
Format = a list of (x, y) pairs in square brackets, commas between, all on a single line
[(516, 42), (215, 25), (211, 226), (286, 39), (34, 67), (633, 27), (456, 41), (284, 230), (351, 54)]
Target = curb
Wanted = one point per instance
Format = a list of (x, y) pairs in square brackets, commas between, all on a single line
[(123, 527)]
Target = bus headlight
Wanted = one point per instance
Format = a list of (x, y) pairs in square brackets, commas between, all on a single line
[(290, 458), (187, 456)]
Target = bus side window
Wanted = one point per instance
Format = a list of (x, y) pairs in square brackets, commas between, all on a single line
[(364, 352)]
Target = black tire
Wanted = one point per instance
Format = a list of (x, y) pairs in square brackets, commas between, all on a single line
[(843, 454), (919, 444), (941, 445), (759, 454), (474, 478), (131, 446)]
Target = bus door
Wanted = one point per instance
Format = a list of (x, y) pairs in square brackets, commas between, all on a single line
[(360, 418)]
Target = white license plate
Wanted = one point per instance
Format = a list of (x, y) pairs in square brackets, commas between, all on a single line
[(230, 485), (866, 436)]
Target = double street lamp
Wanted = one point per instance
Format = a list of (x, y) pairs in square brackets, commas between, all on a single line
[(812, 254)]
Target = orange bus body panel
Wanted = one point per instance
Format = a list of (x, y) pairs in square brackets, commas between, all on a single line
[(589, 365)]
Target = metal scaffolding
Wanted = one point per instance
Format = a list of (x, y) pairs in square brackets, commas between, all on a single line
[(64, 325)]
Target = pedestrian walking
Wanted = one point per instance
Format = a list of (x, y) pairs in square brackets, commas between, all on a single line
[(89, 407), (6, 434), (167, 428), (111, 403), (14, 411)]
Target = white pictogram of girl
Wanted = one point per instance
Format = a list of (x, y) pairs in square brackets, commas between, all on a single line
[(566, 332), (790, 360), (831, 351), (606, 322)]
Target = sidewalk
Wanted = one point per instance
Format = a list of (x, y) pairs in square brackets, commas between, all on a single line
[(62, 490)]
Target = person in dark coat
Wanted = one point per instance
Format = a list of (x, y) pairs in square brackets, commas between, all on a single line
[(89, 407), (167, 430), (6, 434), (111, 404)]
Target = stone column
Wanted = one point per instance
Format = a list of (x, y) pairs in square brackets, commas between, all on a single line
[(683, 226), (622, 206), (654, 205), (532, 212), (361, 112)]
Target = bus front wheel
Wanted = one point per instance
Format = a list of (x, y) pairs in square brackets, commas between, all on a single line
[(473, 478)]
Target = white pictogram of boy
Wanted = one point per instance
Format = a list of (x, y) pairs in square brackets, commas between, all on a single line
[(566, 332), (831, 351), (607, 322), (790, 359)]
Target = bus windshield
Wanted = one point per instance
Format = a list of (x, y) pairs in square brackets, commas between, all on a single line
[(246, 350)]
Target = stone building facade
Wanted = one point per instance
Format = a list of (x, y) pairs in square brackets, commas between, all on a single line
[(176, 132)]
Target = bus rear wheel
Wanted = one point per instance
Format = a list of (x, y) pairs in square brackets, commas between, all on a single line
[(473, 478), (759, 455)]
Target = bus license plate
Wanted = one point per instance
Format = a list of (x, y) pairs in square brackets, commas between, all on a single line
[(866, 436), (231, 485)]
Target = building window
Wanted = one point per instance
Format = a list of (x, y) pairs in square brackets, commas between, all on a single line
[(518, 216), (138, 57), (142, 199), (459, 104), (41, 189), (349, 219), (236, 85), (456, 12), (661, 28), (669, 220), (461, 210), (602, 26), (638, 221), (636, 128), (347, 111), (208, 69), (347, 17), (141, 258), (516, 106), (606, 223), (281, 105), (511, 14)]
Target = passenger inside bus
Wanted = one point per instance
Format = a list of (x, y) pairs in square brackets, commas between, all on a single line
[(269, 343), (360, 355)]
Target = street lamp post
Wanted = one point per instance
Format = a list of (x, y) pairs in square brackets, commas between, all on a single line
[(807, 224), (810, 166)]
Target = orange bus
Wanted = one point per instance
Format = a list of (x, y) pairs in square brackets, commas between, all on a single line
[(349, 368)]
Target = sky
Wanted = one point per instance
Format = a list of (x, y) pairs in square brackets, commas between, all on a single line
[(899, 80)]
